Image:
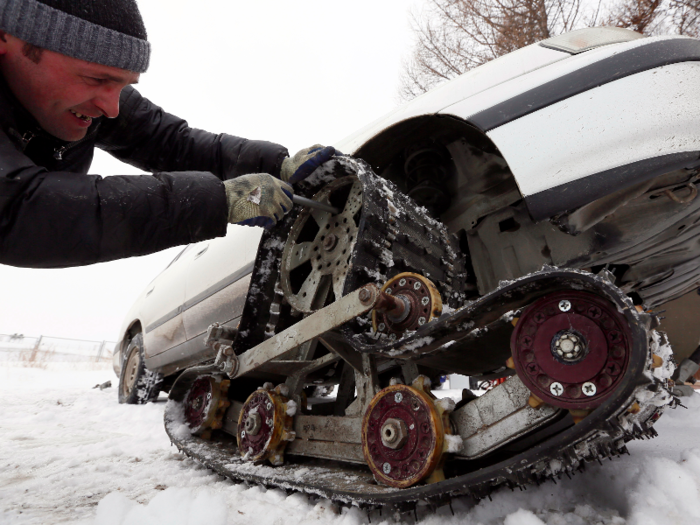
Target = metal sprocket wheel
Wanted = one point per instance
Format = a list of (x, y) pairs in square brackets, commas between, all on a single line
[(205, 403), (265, 426), (316, 258)]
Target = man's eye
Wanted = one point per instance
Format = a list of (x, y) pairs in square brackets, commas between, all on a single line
[(94, 81)]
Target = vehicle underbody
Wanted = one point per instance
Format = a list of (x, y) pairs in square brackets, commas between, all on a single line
[(378, 301)]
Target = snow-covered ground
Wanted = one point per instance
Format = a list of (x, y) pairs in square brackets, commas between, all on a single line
[(71, 454)]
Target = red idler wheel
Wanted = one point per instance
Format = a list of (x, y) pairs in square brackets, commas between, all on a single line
[(264, 425), (403, 435), (571, 349), (205, 403)]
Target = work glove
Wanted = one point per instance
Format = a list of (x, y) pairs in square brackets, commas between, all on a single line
[(258, 199), (305, 162)]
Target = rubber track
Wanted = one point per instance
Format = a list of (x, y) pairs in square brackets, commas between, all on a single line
[(600, 435)]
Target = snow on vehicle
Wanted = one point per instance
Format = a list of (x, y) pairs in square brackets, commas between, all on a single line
[(522, 221)]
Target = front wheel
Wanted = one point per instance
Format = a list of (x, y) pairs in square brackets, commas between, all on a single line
[(137, 384)]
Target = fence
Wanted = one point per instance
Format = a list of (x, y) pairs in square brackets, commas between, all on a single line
[(18, 347)]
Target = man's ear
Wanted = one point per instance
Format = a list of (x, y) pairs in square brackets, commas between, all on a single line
[(3, 42)]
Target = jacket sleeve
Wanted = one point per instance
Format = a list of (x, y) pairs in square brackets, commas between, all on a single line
[(147, 137), (60, 219)]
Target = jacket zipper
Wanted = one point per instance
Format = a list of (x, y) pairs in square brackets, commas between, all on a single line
[(61, 150)]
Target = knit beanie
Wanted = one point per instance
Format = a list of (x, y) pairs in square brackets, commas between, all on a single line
[(108, 32)]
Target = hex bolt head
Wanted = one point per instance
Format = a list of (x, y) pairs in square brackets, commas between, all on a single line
[(402, 282), (381, 327), (416, 285), (424, 301), (388, 290), (398, 397), (564, 305), (556, 389), (268, 405), (421, 321), (252, 424), (386, 468), (394, 433), (242, 434), (330, 242), (364, 295), (589, 388)]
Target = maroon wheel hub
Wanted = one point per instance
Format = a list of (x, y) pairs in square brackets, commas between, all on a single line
[(257, 424), (571, 349), (402, 436), (198, 402)]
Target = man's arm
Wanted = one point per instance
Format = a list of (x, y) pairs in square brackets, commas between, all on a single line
[(147, 137), (60, 219)]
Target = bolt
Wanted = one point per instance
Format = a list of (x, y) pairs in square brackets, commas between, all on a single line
[(242, 434), (402, 282), (386, 468), (381, 327), (424, 301), (388, 290), (564, 305), (252, 424), (416, 285), (556, 389), (268, 405), (421, 321), (398, 397), (268, 421), (392, 337), (330, 242), (394, 433), (589, 388), (539, 317), (365, 296)]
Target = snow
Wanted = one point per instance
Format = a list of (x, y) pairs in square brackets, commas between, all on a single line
[(69, 453)]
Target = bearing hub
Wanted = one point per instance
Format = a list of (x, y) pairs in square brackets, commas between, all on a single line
[(264, 426), (421, 304), (571, 349), (403, 435), (205, 404), (316, 258)]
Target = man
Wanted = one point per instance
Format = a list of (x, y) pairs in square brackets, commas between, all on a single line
[(67, 69)]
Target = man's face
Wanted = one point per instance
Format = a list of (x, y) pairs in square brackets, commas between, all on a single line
[(62, 93)]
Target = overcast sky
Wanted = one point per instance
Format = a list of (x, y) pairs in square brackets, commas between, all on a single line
[(296, 73)]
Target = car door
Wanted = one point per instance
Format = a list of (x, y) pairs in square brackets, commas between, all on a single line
[(217, 280), (163, 322)]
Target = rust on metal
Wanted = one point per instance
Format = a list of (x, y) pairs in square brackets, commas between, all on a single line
[(408, 301), (205, 404), (264, 426), (422, 452)]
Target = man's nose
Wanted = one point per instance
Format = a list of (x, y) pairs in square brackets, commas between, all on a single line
[(107, 101)]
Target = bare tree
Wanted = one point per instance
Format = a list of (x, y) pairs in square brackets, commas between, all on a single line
[(454, 36)]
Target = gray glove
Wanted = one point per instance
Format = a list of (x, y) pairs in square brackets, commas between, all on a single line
[(305, 162), (257, 200)]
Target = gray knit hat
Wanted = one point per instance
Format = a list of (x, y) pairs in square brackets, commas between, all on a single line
[(108, 32)]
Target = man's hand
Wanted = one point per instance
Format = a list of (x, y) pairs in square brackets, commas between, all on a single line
[(258, 199), (305, 162)]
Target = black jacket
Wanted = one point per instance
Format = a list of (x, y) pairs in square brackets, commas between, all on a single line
[(54, 215)]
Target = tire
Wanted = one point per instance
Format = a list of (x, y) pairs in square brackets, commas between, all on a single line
[(137, 384)]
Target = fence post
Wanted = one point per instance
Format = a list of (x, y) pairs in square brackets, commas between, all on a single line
[(99, 352)]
